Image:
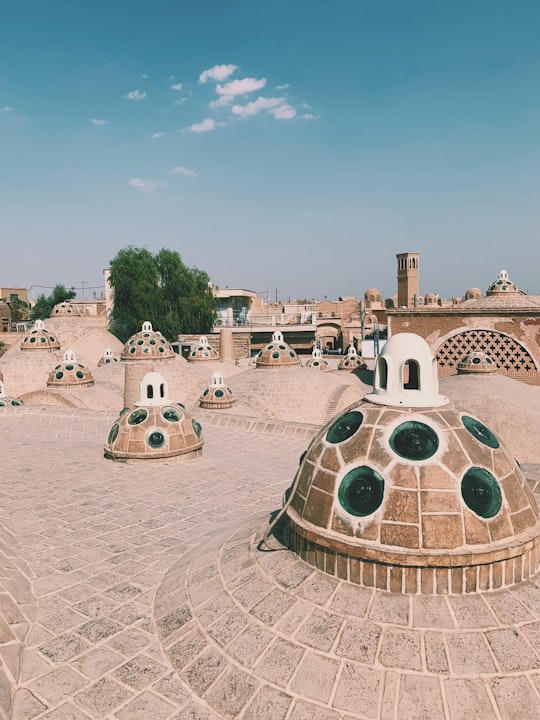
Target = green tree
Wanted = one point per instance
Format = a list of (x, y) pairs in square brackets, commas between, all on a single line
[(159, 289), (19, 309), (44, 305)]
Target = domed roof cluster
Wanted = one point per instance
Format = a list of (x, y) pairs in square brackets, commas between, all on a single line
[(40, 338), (147, 344), (65, 309), (70, 373), (404, 479), (277, 354), (476, 362), (203, 351), (317, 361), (155, 428), (502, 293)]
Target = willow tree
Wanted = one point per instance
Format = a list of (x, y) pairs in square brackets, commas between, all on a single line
[(160, 289)]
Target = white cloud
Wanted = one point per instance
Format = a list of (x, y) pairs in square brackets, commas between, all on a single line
[(275, 106), (98, 123), (307, 116), (7, 108), (145, 76), (282, 87), (176, 86), (181, 170), (157, 135), (220, 102), (145, 184), (237, 87), (217, 73), (180, 101), (207, 125), (256, 106), (283, 112), (135, 95)]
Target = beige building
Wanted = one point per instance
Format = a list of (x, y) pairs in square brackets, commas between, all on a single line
[(505, 324)]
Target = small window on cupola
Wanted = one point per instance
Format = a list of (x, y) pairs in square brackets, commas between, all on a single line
[(149, 391), (383, 373), (411, 375)]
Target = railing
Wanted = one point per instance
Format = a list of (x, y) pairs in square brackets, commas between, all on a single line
[(266, 320)]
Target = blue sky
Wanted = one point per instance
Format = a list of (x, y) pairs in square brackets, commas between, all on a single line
[(290, 147)]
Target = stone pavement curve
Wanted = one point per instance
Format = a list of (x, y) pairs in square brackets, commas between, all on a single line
[(141, 592)]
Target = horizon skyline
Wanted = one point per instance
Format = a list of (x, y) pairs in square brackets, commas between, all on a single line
[(292, 146), (272, 296)]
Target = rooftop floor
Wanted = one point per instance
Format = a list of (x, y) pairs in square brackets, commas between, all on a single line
[(135, 591)]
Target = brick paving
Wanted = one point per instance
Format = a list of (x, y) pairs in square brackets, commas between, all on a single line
[(136, 591)]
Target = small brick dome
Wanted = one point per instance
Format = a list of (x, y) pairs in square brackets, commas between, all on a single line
[(277, 354), (476, 362), (40, 339), (155, 428), (217, 395), (65, 309), (203, 351), (148, 344), (351, 360), (70, 373), (317, 361)]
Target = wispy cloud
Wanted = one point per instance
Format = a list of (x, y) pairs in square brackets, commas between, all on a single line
[(282, 87), (157, 135), (283, 112), (275, 106), (307, 116), (207, 125), (180, 101), (256, 106), (233, 88), (185, 171), (97, 122), (145, 76), (145, 184), (176, 86), (7, 108), (217, 73), (135, 95)]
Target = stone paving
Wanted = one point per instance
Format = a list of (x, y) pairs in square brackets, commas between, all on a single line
[(91, 541), (136, 591)]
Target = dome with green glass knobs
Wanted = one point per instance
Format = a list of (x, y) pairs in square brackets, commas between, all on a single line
[(476, 362), (351, 360), (70, 373), (148, 345), (317, 361), (217, 396), (7, 400), (155, 428), (65, 309), (202, 351), (405, 481), (277, 354), (39, 338)]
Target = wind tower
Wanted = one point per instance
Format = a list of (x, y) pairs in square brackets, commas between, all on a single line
[(407, 279)]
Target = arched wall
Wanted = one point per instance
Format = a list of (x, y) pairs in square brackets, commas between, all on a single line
[(512, 357)]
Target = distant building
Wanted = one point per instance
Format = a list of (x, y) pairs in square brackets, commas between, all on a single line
[(407, 279), (505, 324)]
